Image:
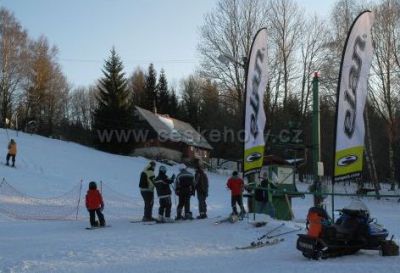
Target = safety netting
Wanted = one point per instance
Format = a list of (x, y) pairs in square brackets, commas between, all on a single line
[(68, 206)]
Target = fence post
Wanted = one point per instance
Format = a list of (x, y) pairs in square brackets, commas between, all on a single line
[(79, 201), (2, 182)]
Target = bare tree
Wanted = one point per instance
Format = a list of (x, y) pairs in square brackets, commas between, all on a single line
[(13, 56), (137, 86), (226, 38), (286, 21), (46, 88), (385, 83), (313, 50)]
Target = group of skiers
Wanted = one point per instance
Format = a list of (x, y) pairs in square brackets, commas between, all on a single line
[(185, 186)]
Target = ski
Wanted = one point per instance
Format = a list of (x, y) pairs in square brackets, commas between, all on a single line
[(92, 228), (228, 219), (259, 244)]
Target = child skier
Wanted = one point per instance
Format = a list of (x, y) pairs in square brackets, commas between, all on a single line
[(95, 205), (12, 152), (162, 183), (236, 185)]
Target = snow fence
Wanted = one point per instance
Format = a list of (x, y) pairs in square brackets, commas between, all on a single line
[(68, 206)]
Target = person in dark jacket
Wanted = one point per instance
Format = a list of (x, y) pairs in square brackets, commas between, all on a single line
[(184, 188), (146, 186), (201, 181), (262, 196), (162, 184), (236, 185), (95, 205)]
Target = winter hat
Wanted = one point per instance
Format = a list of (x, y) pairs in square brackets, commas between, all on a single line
[(235, 173), (92, 185), (162, 169)]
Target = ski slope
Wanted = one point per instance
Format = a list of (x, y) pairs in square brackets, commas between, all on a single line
[(48, 167)]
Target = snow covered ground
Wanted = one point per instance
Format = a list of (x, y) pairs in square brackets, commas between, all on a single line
[(48, 168)]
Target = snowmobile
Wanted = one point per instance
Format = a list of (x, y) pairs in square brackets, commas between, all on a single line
[(354, 230)]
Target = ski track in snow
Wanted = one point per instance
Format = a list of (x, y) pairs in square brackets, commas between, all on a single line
[(48, 167)]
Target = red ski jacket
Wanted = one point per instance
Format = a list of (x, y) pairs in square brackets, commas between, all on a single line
[(236, 185), (94, 200)]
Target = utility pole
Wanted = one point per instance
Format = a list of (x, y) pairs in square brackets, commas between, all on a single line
[(316, 141)]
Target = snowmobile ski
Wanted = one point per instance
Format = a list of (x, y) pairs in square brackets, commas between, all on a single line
[(259, 244)]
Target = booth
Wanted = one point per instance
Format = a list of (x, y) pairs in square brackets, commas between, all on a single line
[(273, 194)]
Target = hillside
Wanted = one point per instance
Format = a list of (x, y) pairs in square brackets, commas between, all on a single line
[(48, 168)]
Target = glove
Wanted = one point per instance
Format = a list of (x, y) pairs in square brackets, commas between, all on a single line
[(102, 207), (173, 177)]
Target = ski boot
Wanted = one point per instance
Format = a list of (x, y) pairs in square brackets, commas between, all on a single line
[(188, 216)]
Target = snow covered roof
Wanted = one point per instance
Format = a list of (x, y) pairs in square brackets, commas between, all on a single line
[(173, 129)]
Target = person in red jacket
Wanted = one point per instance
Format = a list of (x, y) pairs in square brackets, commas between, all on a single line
[(236, 185), (95, 205)]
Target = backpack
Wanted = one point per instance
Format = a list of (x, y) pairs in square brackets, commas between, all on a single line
[(143, 183)]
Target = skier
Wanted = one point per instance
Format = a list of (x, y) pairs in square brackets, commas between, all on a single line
[(236, 185), (162, 183), (95, 205), (201, 188), (12, 152), (146, 186), (184, 188), (261, 196)]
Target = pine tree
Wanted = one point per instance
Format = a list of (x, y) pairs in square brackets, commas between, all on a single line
[(163, 94), (114, 112), (173, 110), (150, 89)]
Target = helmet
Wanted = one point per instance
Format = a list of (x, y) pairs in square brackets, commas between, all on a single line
[(92, 185), (162, 169)]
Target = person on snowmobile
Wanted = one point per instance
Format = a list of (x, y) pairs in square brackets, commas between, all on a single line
[(162, 184), (12, 152), (95, 205), (236, 186), (146, 186), (184, 188), (316, 218), (201, 181)]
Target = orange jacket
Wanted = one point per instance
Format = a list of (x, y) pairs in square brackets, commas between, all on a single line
[(12, 148)]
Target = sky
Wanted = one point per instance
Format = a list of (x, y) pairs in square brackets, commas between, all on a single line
[(164, 32)]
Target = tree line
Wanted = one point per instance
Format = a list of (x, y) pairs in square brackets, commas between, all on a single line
[(33, 87)]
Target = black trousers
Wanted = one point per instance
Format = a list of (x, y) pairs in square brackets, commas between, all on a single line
[(165, 207), (148, 198), (100, 216), (12, 158), (184, 201), (237, 200), (202, 203)]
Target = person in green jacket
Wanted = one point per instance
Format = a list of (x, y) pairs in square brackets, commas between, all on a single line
[(146, 186)]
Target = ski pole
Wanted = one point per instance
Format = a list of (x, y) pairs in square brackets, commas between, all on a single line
[(269, 232), (283, 233)]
